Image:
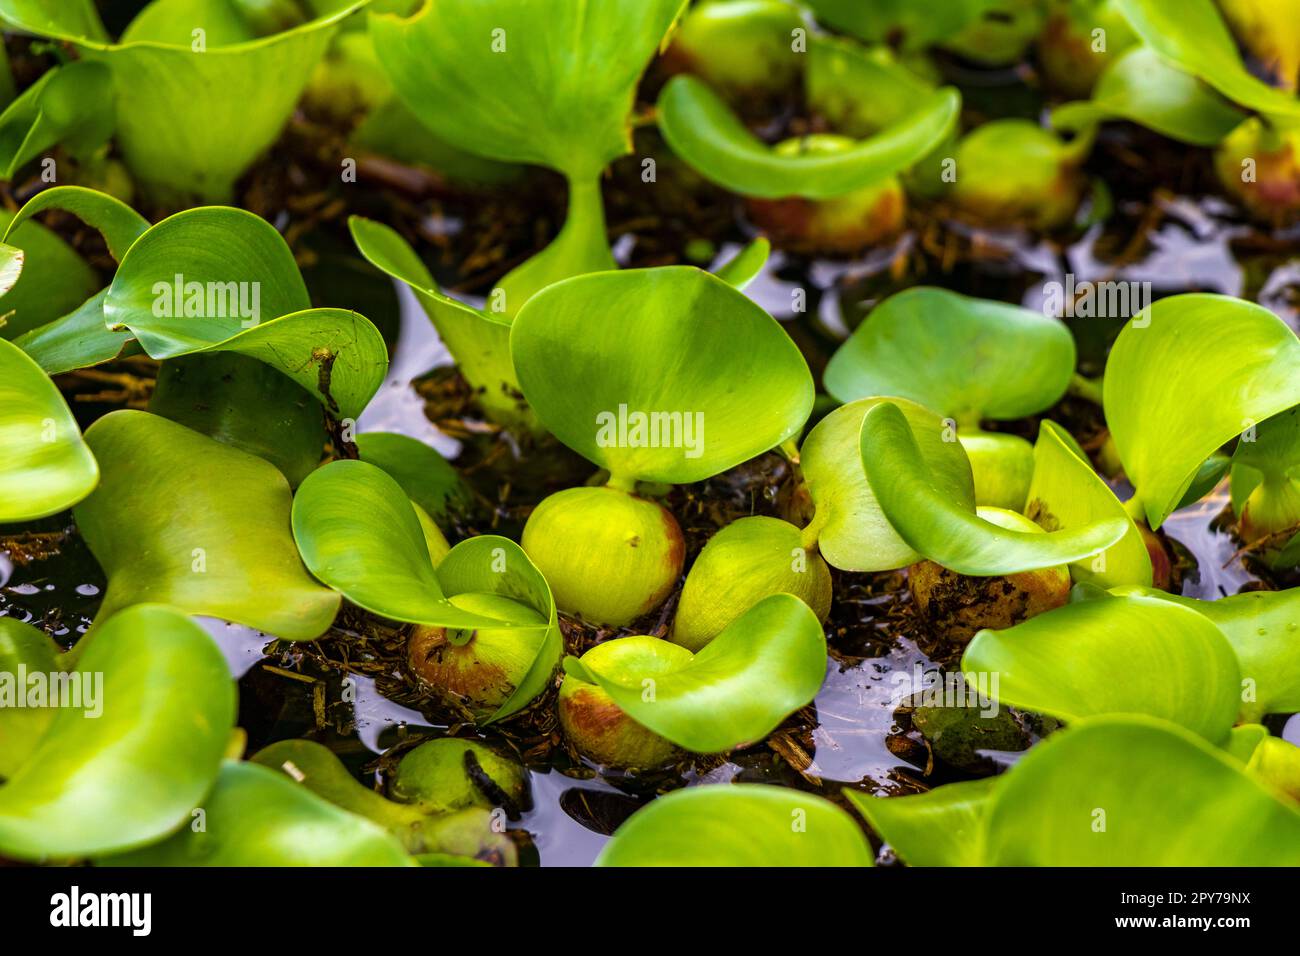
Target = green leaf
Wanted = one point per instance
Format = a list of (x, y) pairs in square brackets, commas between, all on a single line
[(854, 533), (21, 728), (1067, 493), (205, 280), (222, 106), (1143, 87), (183, 520), (944, 827), (764, 666), (45, 467), (1262, 627), (965, 358), (859, 90), (69, 104), (1133, 655), (1178, 387), (1193, 36), (358, 533), (258, 817), (1165, 796), (78, 340), (479, 341), (75, 18), (244, 404), (523, 81), (913, 26), (427, 478), (947, 531), (131, 775), (738, 825), (674, 341), (703, 131), (746, 265), (492, 565), (41, 279), (118, 223)]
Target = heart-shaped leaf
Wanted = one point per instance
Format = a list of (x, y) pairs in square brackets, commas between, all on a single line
[(854, 533), (69, 104), (427, 478), (478, 340), (208, 279), (682, 376), (1178, 387), (21, 728), (965, 358), (1133, 655), (258, 817), (703, 131), (944, 827), (764, 666), (358, 533), (523, 81), (1165, 796), (223, 95), (946, 531), (41, 279), (738, 825), (131, 773), (1193, 36), (1067, 493), (1262, 627), (184, 520), (45, 466), (1143, 87)]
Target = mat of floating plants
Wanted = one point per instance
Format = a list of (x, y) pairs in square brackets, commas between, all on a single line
[(643, 432)]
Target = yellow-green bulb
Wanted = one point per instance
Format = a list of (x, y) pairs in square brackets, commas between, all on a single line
[(750, 559), (1260, 168), (477, 669), (1002, 466), (841, 225), (739, 47), (596, 727), (609, 556)]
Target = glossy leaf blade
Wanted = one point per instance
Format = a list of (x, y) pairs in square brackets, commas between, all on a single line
[(132, 775), (704, 131), (944, 531), (962, 357), (944, 827), (855, 534), (1186, 375), (45, 466), (764, 666), (184, 520), (595, 352), (1117, 656), (258, 817), (1067, 493), (1167, 798), (738, 825)]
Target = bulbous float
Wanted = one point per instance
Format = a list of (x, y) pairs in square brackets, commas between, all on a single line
[(840, 226), (743, 563), (609, 556), (1001, 34), (956, 606), (1078, 41), (739, 47), (1002, 466), (476, 669), (1270, 510), (1013, 172), (441, 776), (596, 727), (1259, 167)]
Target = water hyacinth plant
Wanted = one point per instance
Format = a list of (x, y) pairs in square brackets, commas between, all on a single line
[(797, 501)]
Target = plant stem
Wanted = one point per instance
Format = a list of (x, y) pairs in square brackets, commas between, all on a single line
[(1089, 389)]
